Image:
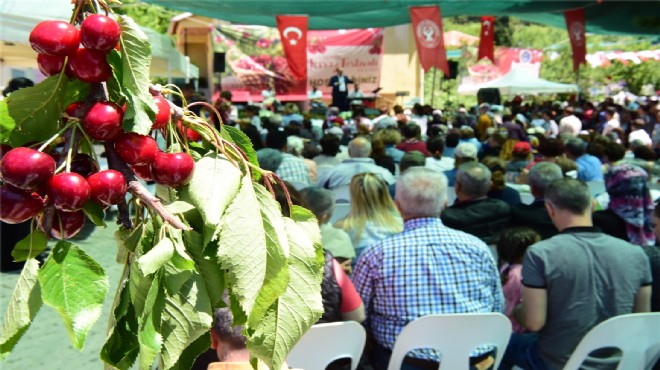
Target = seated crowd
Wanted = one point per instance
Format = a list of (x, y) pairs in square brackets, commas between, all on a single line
[(542, 212)]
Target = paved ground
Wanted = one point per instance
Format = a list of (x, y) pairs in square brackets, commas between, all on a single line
[(46, 344)]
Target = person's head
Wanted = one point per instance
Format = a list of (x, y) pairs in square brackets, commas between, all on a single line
[(637, 124), (339, 72), (497, 167), (568, 202), (370, 201), (411, 131), (188, 90), (421, 192), (269, 159), (277, 139), (465, 152), (359, 147), (453, 138), (397, 109), (630, 199), (541, 175), (575, 148), (17, 84), (389, 136), (522, 150), (550, 149), (610, 112), (294, 196), (357, 87), (228, 341), (377, 148), (484, 108), (513, 243), (473, 181), (330, 145), (320, 201), (467, 132), (436, 146), (413, 158), (568, 111), (295, 145), (226, 94)]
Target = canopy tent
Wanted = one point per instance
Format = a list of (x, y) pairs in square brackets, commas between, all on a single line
[(616, 17), (520, 81), (18, 17)]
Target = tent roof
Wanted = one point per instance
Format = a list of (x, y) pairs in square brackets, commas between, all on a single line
[(626, 17), (519, 81), (18, 17)]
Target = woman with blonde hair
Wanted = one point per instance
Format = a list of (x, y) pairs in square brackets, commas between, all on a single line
[(373, 215)]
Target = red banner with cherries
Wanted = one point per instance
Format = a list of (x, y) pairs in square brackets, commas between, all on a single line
[(576, 25), (293, 33), (427, 28)]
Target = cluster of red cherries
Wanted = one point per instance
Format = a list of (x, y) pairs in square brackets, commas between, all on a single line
[(30, 182)]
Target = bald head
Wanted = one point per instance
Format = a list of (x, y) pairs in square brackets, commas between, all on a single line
[(359, 148)]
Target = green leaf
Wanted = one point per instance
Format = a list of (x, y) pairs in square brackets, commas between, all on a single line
[(179, 207), (208, 267), (156, 257), (31, 246), (298, 308), (23, 307), (138, 286), (35, 112), (129, 239), (187, 315), (114, 82), (213, 186), (75, 285), (121, 347), (136, 61), (190, 354), (95, 213), (239, 138), (149, 338), (250, 248), (175, 278), (181, 258)]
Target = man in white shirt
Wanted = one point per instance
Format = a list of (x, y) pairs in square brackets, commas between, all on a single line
[(315, 97), (638, 134), (354, 95), (570, 123), (339, 84), (612, 120)]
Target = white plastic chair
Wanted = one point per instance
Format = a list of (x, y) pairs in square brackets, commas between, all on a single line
[(455, 336), (342, 194), (636, 335), (325, 343), (341, 210)]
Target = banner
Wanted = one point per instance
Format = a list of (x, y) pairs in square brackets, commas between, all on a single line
[(293, 33), (487, 39), (255, 58), (575, 23), (427, 28)]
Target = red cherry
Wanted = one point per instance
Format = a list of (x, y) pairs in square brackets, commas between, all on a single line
[(163, 114), (135, 148), (84, 165), (27, 168), (55, 38), (108, 187), (99, 32), (143, 172), (89, 65), (50, 64), (65, 224), (18, 205), (173, 169), (190, 133), (68, 191), (75, 109), (103, 121)]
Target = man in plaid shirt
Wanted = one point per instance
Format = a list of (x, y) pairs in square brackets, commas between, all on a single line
[(426, 269)]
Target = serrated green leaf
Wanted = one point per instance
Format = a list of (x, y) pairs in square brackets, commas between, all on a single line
[(190, 354), (114, 82), (149, 338), (161, 253), (258, 274), (208, 267), (129, 239), (187, 315), (179, 207), (308, 222), (36, 112), (213, 186), (23, 307), (297, 309), (136, 61), (239, 138), (95, 213), (175, 278), (31, 246), (75, 286), (138, 286), (181, 258), (121, 347), (7, 123)]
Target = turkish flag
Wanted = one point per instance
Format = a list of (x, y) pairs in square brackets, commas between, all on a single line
[(487, 39), (576, 25), (293, 33), (427, 27)]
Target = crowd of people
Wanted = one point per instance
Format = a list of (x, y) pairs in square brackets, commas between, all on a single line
[(542, 211)]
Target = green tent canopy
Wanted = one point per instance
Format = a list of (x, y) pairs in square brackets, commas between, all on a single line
[(613, 17)]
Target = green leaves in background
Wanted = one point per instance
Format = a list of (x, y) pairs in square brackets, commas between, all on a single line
[(136, 61), (75, 285), (23, 307), (31, 246)]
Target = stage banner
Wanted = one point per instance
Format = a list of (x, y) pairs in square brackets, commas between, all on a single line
[(481, 71), (293, 33), (575, 23), (427, 27), (255, 58), (487, 38)]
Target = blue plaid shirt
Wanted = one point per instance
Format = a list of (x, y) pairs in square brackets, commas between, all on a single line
[(426, 269), (294, 170)]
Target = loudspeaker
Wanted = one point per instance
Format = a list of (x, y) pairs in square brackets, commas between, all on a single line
[(219, 62), (453, 70)]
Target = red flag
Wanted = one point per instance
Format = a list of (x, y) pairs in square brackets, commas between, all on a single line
[(487, 39), (427, 26), (576, 25), (293, 33)]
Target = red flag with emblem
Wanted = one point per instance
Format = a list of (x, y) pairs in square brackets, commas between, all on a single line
[(293, 33), (427, 27), (487, 39), (576, 25)]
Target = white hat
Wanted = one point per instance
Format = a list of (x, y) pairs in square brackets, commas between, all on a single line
[(466, 150)]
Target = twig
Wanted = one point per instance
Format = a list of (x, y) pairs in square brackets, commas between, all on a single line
[(48, 221), (124, 217)]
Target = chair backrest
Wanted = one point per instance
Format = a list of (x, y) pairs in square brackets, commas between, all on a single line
[(342, 194), (455, 336), (636, 335), (341, 210), (324, 343)]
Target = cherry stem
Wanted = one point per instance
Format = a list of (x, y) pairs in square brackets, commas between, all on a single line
[(54, 137), (69, 153), (286, 191)]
